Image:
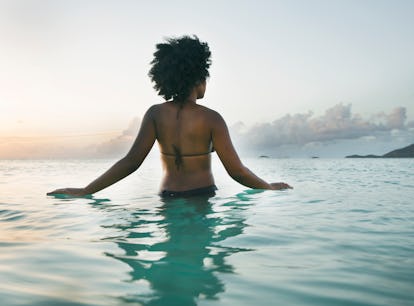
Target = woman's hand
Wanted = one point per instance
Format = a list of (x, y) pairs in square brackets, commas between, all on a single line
[(77, 192), (280, 186)]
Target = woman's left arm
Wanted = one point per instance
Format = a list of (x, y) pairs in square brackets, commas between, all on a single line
[(125, 166)]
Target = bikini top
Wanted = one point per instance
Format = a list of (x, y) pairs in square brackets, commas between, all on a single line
[(179, 157)]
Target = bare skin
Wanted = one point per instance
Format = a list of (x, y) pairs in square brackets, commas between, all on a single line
[(194, 130)]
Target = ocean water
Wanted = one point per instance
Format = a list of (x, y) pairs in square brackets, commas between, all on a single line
[(343, 236)]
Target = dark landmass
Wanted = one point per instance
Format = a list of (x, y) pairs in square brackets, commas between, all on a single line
[(407, 152), (263, 156), (364, 156), (404, 152)]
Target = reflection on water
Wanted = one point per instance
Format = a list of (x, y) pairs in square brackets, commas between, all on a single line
[(174, 250)]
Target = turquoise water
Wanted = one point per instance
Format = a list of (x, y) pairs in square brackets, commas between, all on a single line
[(343, 236)]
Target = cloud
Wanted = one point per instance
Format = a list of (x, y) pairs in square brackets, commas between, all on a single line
[(120, 144), (74, 146), (337, 123), (337, 132), (133, 127), (396, 119)]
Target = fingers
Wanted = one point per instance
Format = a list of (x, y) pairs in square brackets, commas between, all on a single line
[(279, 186), (57, 191), (77, 192), (67, 191)]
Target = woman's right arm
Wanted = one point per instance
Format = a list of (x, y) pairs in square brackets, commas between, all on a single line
[(224, 147), (125, 166)]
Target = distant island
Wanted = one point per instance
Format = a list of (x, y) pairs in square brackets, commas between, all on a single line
[(407, 152), (263, 156)]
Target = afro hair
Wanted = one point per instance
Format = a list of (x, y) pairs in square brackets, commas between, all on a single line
[(179, 64)]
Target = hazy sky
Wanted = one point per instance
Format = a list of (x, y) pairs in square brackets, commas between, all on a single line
[(310, 74)]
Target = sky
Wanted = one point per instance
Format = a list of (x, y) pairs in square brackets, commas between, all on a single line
[(291, 78)]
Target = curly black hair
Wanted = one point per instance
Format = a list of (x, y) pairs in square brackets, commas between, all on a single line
[(179, 65)]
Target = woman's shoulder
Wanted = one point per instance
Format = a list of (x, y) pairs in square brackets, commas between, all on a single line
[(208, 111), (166, 107), (156, 108)]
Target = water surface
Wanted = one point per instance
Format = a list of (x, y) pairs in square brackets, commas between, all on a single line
[(343, 236)]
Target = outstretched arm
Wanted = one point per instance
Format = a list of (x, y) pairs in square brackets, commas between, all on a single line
[(231, 161), (125, 166)]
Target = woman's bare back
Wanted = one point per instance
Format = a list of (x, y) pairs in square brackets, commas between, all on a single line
[(184, 135)]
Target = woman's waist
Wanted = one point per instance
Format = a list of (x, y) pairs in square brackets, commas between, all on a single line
[(208, 191), (187, 181)]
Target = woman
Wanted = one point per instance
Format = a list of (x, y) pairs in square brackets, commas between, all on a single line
[(186, 132)]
